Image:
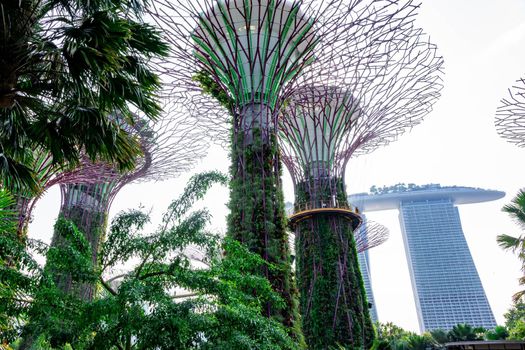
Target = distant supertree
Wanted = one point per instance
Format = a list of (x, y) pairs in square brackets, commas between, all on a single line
[(170, 147), (47, 174), (510, 116), (370, 235), (245, 53), (383, 82)]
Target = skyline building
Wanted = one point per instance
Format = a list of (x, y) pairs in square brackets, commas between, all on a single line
[(364, 266), (446, 285)]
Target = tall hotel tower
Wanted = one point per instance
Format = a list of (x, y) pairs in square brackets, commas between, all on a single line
[(446, 285), (364, 266)]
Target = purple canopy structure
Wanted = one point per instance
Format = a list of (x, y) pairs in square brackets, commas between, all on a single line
[(510, 116), (382, 82), (47, 175), (170, 147), (370, 235), (235, 59)]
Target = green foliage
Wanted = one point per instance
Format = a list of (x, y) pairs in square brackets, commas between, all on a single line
[(401, 187), (54, 312), (211, 87), (392, 337), (421, 342), (390, 332), (516, 210), (312, 192), (465, 332), (257, 220), (333, 300), (381, 344), (144, 307), (65, 67), (498, 333), (13, 283), (515, 321), (439, 335), (8, 217), (92, 223)]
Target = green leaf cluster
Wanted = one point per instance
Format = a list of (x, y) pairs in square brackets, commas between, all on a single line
[(257, 219), (65, 68), (159, 298), (392, 337), (465, 332), (515, 321), (516, 210), (333, 302), (211, 87)]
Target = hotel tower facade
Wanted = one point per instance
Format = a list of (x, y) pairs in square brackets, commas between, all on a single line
[(446, 285)]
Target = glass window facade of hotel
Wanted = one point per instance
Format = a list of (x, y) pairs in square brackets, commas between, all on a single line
[(364, 267), (446, 285)]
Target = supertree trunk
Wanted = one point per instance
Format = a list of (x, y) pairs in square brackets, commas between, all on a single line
[(170, 147), (86, 206), (333, 301), (257, 217), (21, 206)]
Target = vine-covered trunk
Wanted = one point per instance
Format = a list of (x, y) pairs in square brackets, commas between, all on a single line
[(85, 206), (333, 302), (257, 216), (21, 207)]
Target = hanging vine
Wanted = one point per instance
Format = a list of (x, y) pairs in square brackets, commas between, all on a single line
[(333, 304), (257, 219)]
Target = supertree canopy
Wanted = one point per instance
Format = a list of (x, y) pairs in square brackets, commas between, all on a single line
[(169, 146), (245, 53), (370, 235), (253, 48), (47, 174), (510, 116), (382, 82)]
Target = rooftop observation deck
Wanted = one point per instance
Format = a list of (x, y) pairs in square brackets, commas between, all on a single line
[(308, 210), (458, 195)]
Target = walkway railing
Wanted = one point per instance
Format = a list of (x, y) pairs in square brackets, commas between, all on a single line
[(334, 204)]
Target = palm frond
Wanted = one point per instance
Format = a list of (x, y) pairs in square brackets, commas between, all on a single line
[(16, 176), (516, 209), (511, 243), (8, 217), (517, 297), (65, 68)]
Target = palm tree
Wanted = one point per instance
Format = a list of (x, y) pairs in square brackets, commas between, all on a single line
[(498, 333), (65, 66), (421, 342), (516, 210), (439, 335), (465, 332)]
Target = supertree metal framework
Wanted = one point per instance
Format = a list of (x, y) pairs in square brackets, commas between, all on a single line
[(47, 175), (245, 54), (170, 146), (510, 115), (370, 235), (383, 82)]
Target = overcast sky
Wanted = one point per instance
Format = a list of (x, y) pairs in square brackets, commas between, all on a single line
[(483, 44)]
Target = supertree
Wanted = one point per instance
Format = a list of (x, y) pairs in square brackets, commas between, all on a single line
[(383, 82), (169, 146), (245, 53), (510, 116), (47, 174), (370, 235)]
